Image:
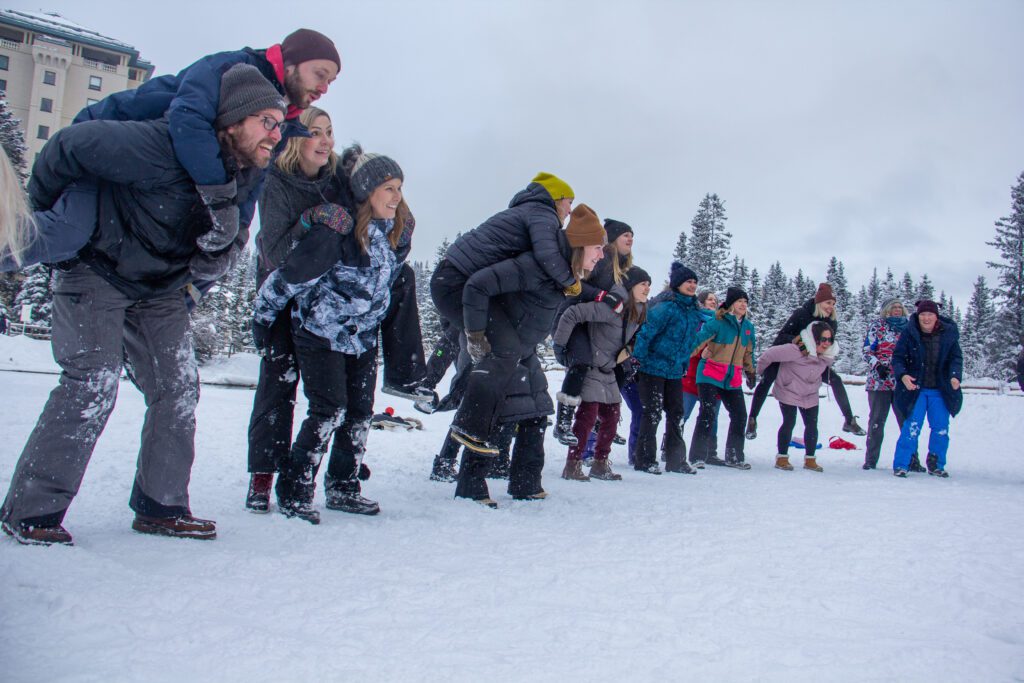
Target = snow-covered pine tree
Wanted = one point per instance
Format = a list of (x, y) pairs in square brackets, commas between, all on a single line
[(977, 332), (709, 244), (37, 291), (803, 288), (680, 254), (430, 320), (739, 277), (12, 139), (776, 305), (1008, 290), (835, 275), (889, 288), (908, 293), (925, 289), (874, 291)]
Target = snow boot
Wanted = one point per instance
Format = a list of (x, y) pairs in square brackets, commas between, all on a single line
[(715, 461), (258, 497), (812, 464), (574, 470), (618, 439), (351, 502), (852, 427), (413, 391), (782, 463), (602, 469), (479, 446), (27, 534), (933, 467), (751, 432), (900, 472), (539, 495), (563, 419), (444, 469), (653, 468), (676, 461), (915, 464), (293, 507), (182, 526)]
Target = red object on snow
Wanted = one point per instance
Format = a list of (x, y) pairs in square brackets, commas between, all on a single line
[(841, 444), (390, 411)]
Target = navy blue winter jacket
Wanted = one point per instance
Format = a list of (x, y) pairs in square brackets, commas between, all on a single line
[(909, 357), (189, 99), (148, 213), (529, 224)]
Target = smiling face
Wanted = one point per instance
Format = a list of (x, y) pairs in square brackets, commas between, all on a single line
[(689, 287), (828, 307), (927, 321), (624, 244), (711, 303), (315, 151), (250, 142), (591, 255), (304, 83), (739, 308), (563, 207), (825, 342), (384, 200), (641, 291)]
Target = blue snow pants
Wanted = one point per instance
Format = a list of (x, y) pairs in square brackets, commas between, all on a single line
[(929, 403)]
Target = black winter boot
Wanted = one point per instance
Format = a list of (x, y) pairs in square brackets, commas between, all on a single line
[(345, 496), (915, 463), (258, 497), (852, 427), (933, 466), (563, 420)]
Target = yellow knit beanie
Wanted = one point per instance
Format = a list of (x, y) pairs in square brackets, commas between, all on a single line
[(556, 187)]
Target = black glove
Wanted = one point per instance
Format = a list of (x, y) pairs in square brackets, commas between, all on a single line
[(207, 267), (364, 472), (884, 372), (477, 345), (751, 380), (612, 299), (629, 370), (560, 354), (260, 336), (220, 202)]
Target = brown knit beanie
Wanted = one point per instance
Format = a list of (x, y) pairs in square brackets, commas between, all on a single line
[(306, 44), (824, 293), (585, 227)]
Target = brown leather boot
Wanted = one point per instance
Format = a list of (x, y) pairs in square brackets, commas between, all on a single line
[(782, 463), (38, 535), (812, 464), (602, 469), (183, 526), (574, 470)]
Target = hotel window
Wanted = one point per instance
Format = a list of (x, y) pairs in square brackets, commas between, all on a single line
[(95, 83), (50, 77), (5, 62), (46, 104), (3, 84), (43, 133)]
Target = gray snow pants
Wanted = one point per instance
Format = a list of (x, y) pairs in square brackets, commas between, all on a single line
[(94, 325)]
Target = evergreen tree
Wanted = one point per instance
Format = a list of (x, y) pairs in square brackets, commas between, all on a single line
[(709, 243), (430, 319), (835, 275), (908, 295), (755, 292), (977, 332), (13, 140), (680, 253), (803, 289), (1008, 291), (776, 305), (925, 289), (36, 291), (739, 276), (874, 291), (889, 288)]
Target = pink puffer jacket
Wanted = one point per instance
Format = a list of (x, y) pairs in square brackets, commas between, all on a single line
[(799, 374)]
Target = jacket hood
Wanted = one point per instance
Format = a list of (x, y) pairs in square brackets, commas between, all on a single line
[(534, 192), (812, 349)]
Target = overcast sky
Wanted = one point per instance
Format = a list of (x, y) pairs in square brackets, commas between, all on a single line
[(885, 133)]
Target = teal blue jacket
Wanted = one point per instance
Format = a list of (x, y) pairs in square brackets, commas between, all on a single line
[(664, 342), (731, 344)]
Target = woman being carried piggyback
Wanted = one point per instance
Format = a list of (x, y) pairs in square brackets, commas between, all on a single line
[(801, 365), (609, 334)]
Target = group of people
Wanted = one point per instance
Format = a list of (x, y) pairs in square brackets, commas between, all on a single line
[(145, 201)]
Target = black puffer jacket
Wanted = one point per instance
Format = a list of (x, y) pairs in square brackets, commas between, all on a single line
[(528, 397), (285, 196), (149, 213), (798, 322), (529, 224)]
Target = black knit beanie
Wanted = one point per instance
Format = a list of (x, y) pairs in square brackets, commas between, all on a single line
[(245, 91), (615, 229), (306, 44), (732, 295), (678, 274), (635, 276), (366, 171)]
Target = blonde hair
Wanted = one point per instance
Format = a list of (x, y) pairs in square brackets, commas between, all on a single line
[(618, 268), (289, 159), (818, 313), (17, 226), (363, 217)]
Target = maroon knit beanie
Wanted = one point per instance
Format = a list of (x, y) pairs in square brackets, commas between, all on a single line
[(927, 306), (824, 293), (306, 44)]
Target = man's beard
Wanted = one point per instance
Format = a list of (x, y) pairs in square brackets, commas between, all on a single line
[(246, 157), (296, 93)]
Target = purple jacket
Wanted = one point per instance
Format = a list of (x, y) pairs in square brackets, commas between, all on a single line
[(799, 375)]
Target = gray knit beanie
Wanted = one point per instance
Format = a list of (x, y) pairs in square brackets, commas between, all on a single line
[(366, 171), (245, 91)]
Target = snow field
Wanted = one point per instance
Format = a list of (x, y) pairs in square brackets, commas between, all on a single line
[(726, 575)]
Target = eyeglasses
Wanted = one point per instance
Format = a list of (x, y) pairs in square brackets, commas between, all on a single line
[(825, 340), (269, 123)]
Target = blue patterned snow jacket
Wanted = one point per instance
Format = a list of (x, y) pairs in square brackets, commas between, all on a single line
[(341, 292), (664, 342)]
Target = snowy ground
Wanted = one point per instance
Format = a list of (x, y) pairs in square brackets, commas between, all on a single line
[(727, 575)]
